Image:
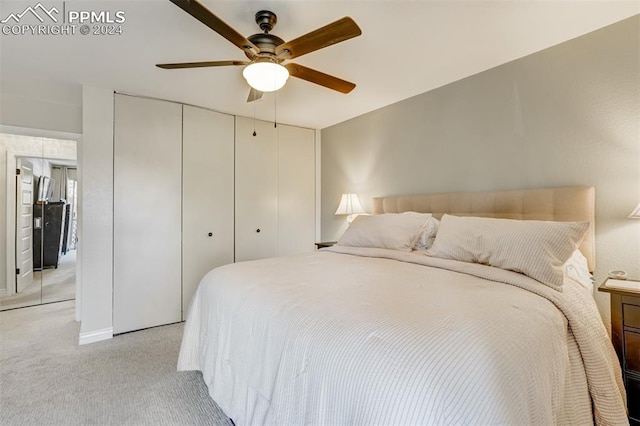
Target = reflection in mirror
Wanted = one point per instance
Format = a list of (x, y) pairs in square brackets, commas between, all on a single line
[(25, 289), (38, 220), (58, 249)]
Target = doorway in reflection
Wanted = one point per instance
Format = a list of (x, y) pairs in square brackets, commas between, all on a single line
[(40, 225)]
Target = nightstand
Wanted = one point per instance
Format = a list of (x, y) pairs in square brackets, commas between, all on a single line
[(625, 335), (325, 244)]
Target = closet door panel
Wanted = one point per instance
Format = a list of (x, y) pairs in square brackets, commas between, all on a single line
[(147, 213), (256, 190), (296, 190), (207, 195)]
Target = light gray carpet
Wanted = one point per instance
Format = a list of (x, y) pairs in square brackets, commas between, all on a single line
[(47, 379)]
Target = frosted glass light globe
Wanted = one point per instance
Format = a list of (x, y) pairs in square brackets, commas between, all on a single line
[(265, 76)]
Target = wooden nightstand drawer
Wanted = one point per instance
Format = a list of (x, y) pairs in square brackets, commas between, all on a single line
[(633, 395), (631, 315), (632, 352)]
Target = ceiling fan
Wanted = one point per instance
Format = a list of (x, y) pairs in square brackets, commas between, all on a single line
[(265, 71)]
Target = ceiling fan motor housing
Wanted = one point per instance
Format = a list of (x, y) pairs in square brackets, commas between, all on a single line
[(267, 43)]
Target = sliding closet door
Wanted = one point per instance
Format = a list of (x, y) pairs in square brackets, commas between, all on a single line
[(207, 195), (147, 213), (296, 190), (256, 190)]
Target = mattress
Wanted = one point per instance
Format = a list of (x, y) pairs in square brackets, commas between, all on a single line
[(373, 336)]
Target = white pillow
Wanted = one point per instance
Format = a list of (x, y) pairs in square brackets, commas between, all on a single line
[(577, 269), (535, 248), (396, 231), (428, 235)]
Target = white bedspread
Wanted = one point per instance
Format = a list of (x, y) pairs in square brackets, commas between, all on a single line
[(373, 336)]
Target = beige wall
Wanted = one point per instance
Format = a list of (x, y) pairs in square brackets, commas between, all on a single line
[(569, 115), (95, 213), (41, 105)]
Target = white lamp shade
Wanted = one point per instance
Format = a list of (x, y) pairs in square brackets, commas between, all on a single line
[(265, 76), (635, 214), (349, 204)]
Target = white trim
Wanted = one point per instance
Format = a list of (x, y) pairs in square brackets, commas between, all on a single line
[(40, 133), (95, 336), (318, 166), (10, 232)]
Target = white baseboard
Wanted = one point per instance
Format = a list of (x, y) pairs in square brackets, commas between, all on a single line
[(96, 336)]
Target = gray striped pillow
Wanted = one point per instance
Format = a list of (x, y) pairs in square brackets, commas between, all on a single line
[(395, 231), (535, 248)]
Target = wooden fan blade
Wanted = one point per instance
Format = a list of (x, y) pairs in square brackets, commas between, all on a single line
[(320, 78), (200, 64), (340, 30), (204, 15), (254, 95)]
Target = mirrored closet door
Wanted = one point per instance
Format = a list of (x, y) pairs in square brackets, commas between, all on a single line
[(38, 202)]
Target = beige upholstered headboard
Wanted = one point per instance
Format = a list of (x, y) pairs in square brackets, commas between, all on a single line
[(569, 204)]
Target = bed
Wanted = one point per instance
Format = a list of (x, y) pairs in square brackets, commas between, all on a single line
[(376, 330)]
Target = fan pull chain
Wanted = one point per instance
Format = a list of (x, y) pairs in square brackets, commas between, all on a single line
[(254, 118), (275, 109)]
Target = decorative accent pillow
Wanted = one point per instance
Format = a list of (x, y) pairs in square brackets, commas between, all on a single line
[(396, 231), (535, 248), (428, 235), (577, 269)]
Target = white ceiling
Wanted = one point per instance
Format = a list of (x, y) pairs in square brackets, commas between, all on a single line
[(406, 48)]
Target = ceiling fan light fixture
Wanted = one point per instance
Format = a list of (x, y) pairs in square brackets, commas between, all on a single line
[(266, 76)]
